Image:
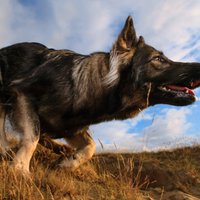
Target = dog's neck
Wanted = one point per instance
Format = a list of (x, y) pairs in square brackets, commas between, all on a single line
[(103, 89)]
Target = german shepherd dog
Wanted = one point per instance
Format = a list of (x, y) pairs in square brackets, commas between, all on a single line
[(60, 93)]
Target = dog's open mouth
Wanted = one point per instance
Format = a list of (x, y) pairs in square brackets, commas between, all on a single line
[(179, 94), (177, 89), (181, 90)]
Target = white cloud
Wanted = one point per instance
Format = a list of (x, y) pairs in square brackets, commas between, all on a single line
[(166, 127), (5, 11), (19, 23), (84, 27)]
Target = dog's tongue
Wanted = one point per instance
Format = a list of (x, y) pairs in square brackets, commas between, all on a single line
[(195, 84), (179, 88)]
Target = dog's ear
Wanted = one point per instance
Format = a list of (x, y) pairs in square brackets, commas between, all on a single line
[(127, 38), (141, 42)]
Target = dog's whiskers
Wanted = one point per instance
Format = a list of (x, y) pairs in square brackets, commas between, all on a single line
[(148, 92)]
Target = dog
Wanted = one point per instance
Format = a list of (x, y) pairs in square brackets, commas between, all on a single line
[(60, 93)]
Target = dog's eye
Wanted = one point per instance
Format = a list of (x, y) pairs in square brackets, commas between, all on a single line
[(158, 58)]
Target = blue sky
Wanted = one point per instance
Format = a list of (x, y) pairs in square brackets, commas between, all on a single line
[(86, 26)]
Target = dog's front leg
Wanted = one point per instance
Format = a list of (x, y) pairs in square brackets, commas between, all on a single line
[(4, 144), (26, 122), (85, 148)]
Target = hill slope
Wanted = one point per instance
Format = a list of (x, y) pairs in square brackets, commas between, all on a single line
[(164, 175)]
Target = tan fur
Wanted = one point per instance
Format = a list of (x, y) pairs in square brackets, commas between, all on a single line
[(85, 148), (4, 144), (116, 60), (29, 139)]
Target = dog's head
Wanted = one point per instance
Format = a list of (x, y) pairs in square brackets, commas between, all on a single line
[(140, 71)]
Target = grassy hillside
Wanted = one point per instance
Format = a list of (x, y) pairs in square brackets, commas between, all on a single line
[(164, 175)]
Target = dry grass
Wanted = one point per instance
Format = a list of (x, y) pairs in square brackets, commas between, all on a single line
[(106, 177)]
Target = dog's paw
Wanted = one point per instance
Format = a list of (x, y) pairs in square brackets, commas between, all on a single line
[(71, 163), (20, 168)]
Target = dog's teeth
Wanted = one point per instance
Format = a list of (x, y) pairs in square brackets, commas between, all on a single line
[(165, 88)]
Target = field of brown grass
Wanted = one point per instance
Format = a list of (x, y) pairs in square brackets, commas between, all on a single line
[(165, 175)]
